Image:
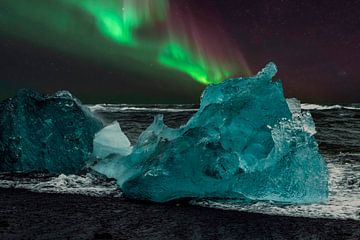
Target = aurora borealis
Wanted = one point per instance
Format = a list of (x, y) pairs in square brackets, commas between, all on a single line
[(168, 50), (120, 21)]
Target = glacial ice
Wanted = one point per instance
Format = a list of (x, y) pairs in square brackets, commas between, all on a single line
[(45, 133), (244, 142), (111, 140)]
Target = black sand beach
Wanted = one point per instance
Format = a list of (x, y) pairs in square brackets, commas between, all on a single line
[(28, 215)]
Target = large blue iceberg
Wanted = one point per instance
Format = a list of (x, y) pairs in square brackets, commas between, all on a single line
[(246, 141), (45, 133)]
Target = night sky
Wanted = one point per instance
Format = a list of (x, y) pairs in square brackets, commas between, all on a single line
[(167, 51)]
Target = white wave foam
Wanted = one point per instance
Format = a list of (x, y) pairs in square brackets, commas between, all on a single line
[(114, 108), (124, 107), (73, 184), (307, 106)]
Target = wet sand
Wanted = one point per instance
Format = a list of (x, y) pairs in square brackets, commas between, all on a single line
[(28, 215)]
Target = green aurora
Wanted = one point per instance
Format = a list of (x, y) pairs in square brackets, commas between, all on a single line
[(123, 33)]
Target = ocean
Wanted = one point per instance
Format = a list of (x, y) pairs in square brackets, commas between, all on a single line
[(338, 136)]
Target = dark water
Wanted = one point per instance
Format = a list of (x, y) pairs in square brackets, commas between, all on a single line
[(338, 136)]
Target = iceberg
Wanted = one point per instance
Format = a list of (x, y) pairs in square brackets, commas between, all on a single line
[(245, 142), (45, 133)]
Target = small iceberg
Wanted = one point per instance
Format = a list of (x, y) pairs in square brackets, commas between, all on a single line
[(245, 141), (45, 133)]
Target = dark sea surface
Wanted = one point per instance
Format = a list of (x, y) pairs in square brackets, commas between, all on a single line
[(338, 136)]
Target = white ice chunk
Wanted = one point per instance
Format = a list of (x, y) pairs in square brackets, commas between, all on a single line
[(111, 140)]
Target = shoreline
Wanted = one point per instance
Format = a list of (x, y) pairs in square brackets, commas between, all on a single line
[(29, 215)]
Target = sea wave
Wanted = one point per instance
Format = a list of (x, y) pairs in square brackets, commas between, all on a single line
[(190, 108), (122, 108), (308, 106), (87, 184)]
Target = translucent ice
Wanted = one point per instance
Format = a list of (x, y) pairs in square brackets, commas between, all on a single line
[(45, 133), (111, 140), (244, 142)]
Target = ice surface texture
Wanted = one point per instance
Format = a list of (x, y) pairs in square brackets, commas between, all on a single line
[(244, 142), (45, 133), (111, 140)]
